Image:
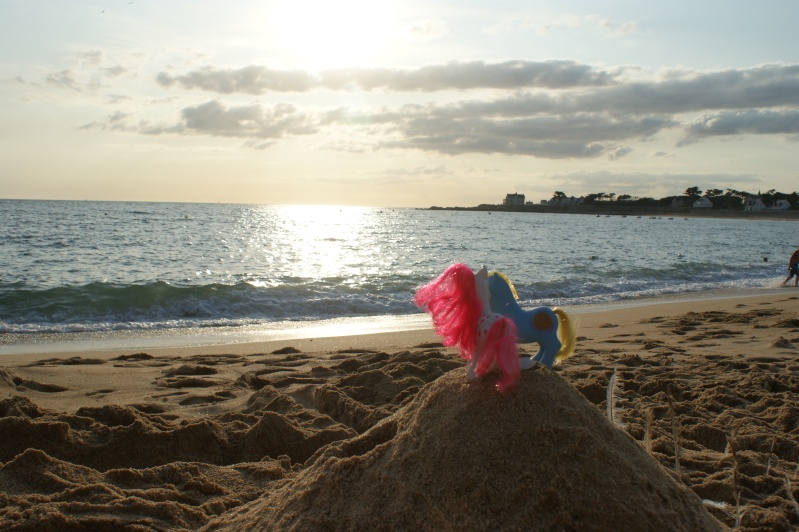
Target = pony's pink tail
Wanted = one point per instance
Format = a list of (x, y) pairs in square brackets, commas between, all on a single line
[(500, 347), (451, 300)]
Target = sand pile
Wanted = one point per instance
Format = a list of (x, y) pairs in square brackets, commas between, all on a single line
[(462, 456)]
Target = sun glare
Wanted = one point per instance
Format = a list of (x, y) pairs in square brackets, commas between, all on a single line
[(320, 34), (325, 239)]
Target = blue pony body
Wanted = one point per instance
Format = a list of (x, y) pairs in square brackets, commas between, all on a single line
[(550, 328)]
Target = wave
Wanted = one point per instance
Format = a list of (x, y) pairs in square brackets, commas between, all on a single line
[(162, 305), (103, 306), (614, 285)]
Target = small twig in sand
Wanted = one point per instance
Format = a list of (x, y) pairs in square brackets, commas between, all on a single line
[(675, 433), (736, 493), (771, 453)]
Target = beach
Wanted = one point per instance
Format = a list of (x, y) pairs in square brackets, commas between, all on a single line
[(383, 431)]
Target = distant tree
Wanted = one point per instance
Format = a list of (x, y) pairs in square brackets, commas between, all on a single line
[(558, 194), (624, 197), (742, 195), (770, 197), (692, 192), (591, 199), (647, 202), (729, 200)]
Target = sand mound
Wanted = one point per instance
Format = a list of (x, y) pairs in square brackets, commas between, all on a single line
[(461, 456)]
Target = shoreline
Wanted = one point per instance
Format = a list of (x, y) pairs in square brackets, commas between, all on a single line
[(343, 332)]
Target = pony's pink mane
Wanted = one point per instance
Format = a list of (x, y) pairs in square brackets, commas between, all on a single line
[(451, 300)]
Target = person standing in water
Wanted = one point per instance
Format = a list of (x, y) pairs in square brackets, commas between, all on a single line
[(793, 268)]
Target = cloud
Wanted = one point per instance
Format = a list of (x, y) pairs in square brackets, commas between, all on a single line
[(544, 25), (509, 75), (690, 91), (619, 152), (117, 121), (89, 71), (514, 127), (553, 109), (452, 129), (247, 80), (64, 79), (419, 171), (251, 122), (89, 57), (427, 30), (631, 182), (749, 122), (580, 88), (579, 22)]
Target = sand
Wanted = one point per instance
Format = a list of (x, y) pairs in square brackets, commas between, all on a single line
[(383, 432)]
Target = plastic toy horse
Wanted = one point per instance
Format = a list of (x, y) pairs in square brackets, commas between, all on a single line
[(485, 325)]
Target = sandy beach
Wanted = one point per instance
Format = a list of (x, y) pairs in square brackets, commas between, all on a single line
[(382, 431)]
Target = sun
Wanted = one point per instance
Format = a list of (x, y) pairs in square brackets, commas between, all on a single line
[(320, 34)]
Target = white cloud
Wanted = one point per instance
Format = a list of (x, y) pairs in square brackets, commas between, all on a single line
[(426, 30), (750, 121), (546, 24), (509, 75), (254, 121)]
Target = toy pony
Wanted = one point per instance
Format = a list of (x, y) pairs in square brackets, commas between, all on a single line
[(478, 314)]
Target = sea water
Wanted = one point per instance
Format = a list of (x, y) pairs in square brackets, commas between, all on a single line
[(86, 266)]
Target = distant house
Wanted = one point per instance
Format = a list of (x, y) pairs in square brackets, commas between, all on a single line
[(678, 201), (514, 199), (781, 205), (703, 203), (753, 203)]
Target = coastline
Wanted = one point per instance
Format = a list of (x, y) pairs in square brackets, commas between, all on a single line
[(632, 211)]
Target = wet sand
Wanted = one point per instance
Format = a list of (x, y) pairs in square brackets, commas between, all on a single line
[(382, 431)]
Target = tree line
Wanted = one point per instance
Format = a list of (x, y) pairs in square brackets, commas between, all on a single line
[(730, 199)]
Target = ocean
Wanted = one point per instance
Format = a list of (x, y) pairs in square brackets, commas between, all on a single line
[(94, 267)]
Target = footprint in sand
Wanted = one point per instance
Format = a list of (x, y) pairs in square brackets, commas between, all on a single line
[(206, 399), (782, 343), (286, 351), (135, 356), (99, 392), (38, 386), (190, 369), (188, 382), (73, 361)]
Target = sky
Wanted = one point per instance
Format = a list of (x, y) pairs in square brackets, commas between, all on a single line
[(395, 103)]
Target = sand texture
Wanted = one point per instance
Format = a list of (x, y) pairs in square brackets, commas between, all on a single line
[(386, 434)]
